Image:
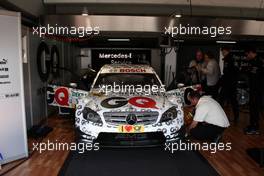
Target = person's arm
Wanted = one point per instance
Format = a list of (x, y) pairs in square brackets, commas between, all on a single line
[(209, 69), (193, 125), (192, 64), (200, 114)]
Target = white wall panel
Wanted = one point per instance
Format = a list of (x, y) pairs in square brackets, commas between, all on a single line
[(13, 139)]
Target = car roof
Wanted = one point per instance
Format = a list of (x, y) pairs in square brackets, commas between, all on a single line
[(126, 68)]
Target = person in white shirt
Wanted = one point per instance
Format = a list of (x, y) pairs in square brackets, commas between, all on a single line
[(212, 72), (209, 119)]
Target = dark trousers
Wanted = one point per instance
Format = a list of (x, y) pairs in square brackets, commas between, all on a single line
[(229, 94), (254, 107), (205, 131), (212, 90)]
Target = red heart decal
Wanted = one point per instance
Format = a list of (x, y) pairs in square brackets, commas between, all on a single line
[(128, 128)]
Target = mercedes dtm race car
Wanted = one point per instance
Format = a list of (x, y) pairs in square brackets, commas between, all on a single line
[(123, 108), (127, 105)]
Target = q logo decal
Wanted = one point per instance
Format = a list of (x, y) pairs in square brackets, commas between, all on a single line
[(114, 102), (62, 96), (117, 102)]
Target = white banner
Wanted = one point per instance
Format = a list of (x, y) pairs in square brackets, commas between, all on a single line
[(13, 139)]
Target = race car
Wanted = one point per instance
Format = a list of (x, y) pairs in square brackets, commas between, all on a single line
[(128, 105)]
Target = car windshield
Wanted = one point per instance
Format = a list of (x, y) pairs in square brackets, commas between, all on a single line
[(127, 79)]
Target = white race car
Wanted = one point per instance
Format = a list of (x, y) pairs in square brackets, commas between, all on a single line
[(127, 105)]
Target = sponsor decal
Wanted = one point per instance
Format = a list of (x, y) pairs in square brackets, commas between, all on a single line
[(114, 102), (115, 56), (131, 128), (132, 70), (64, 96), (143, 102), (117, 102)]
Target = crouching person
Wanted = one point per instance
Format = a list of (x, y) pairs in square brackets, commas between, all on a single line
[(209, 120)]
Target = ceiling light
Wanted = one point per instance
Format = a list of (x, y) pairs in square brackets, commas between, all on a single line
[(178, 15), (118, 40), (180, 41), (221, 41), (85, 12)]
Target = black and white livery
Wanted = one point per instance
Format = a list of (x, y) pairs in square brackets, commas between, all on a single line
[(120, 109)]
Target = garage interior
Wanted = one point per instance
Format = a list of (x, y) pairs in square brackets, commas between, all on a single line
[(135, 28)]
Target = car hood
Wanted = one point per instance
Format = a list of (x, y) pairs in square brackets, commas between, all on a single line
[(126, 102)]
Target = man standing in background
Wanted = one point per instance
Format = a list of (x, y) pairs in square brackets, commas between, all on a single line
[(254, 71), (212, 72), (228, 82), (198, 63)]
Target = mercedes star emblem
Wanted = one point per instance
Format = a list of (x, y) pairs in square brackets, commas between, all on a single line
[(131, 119)]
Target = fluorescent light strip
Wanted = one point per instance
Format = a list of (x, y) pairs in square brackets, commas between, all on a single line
[(180, 41), (178, 15), (118, 40), (220, 41)]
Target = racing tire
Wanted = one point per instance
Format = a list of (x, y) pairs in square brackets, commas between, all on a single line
[(54, 66), (43, 47)]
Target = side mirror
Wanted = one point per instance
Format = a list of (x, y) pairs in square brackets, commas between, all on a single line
[(73, 85)]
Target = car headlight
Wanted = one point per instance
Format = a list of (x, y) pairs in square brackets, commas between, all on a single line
[(91, 115), (168, 115)]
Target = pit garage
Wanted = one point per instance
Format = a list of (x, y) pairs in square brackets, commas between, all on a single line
[(131, 87)]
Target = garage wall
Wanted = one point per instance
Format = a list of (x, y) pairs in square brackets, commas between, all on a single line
[(26, 76), (75, 60), (84, 59), (170, 66), (156, 60), (36, 108), (35, 7)]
